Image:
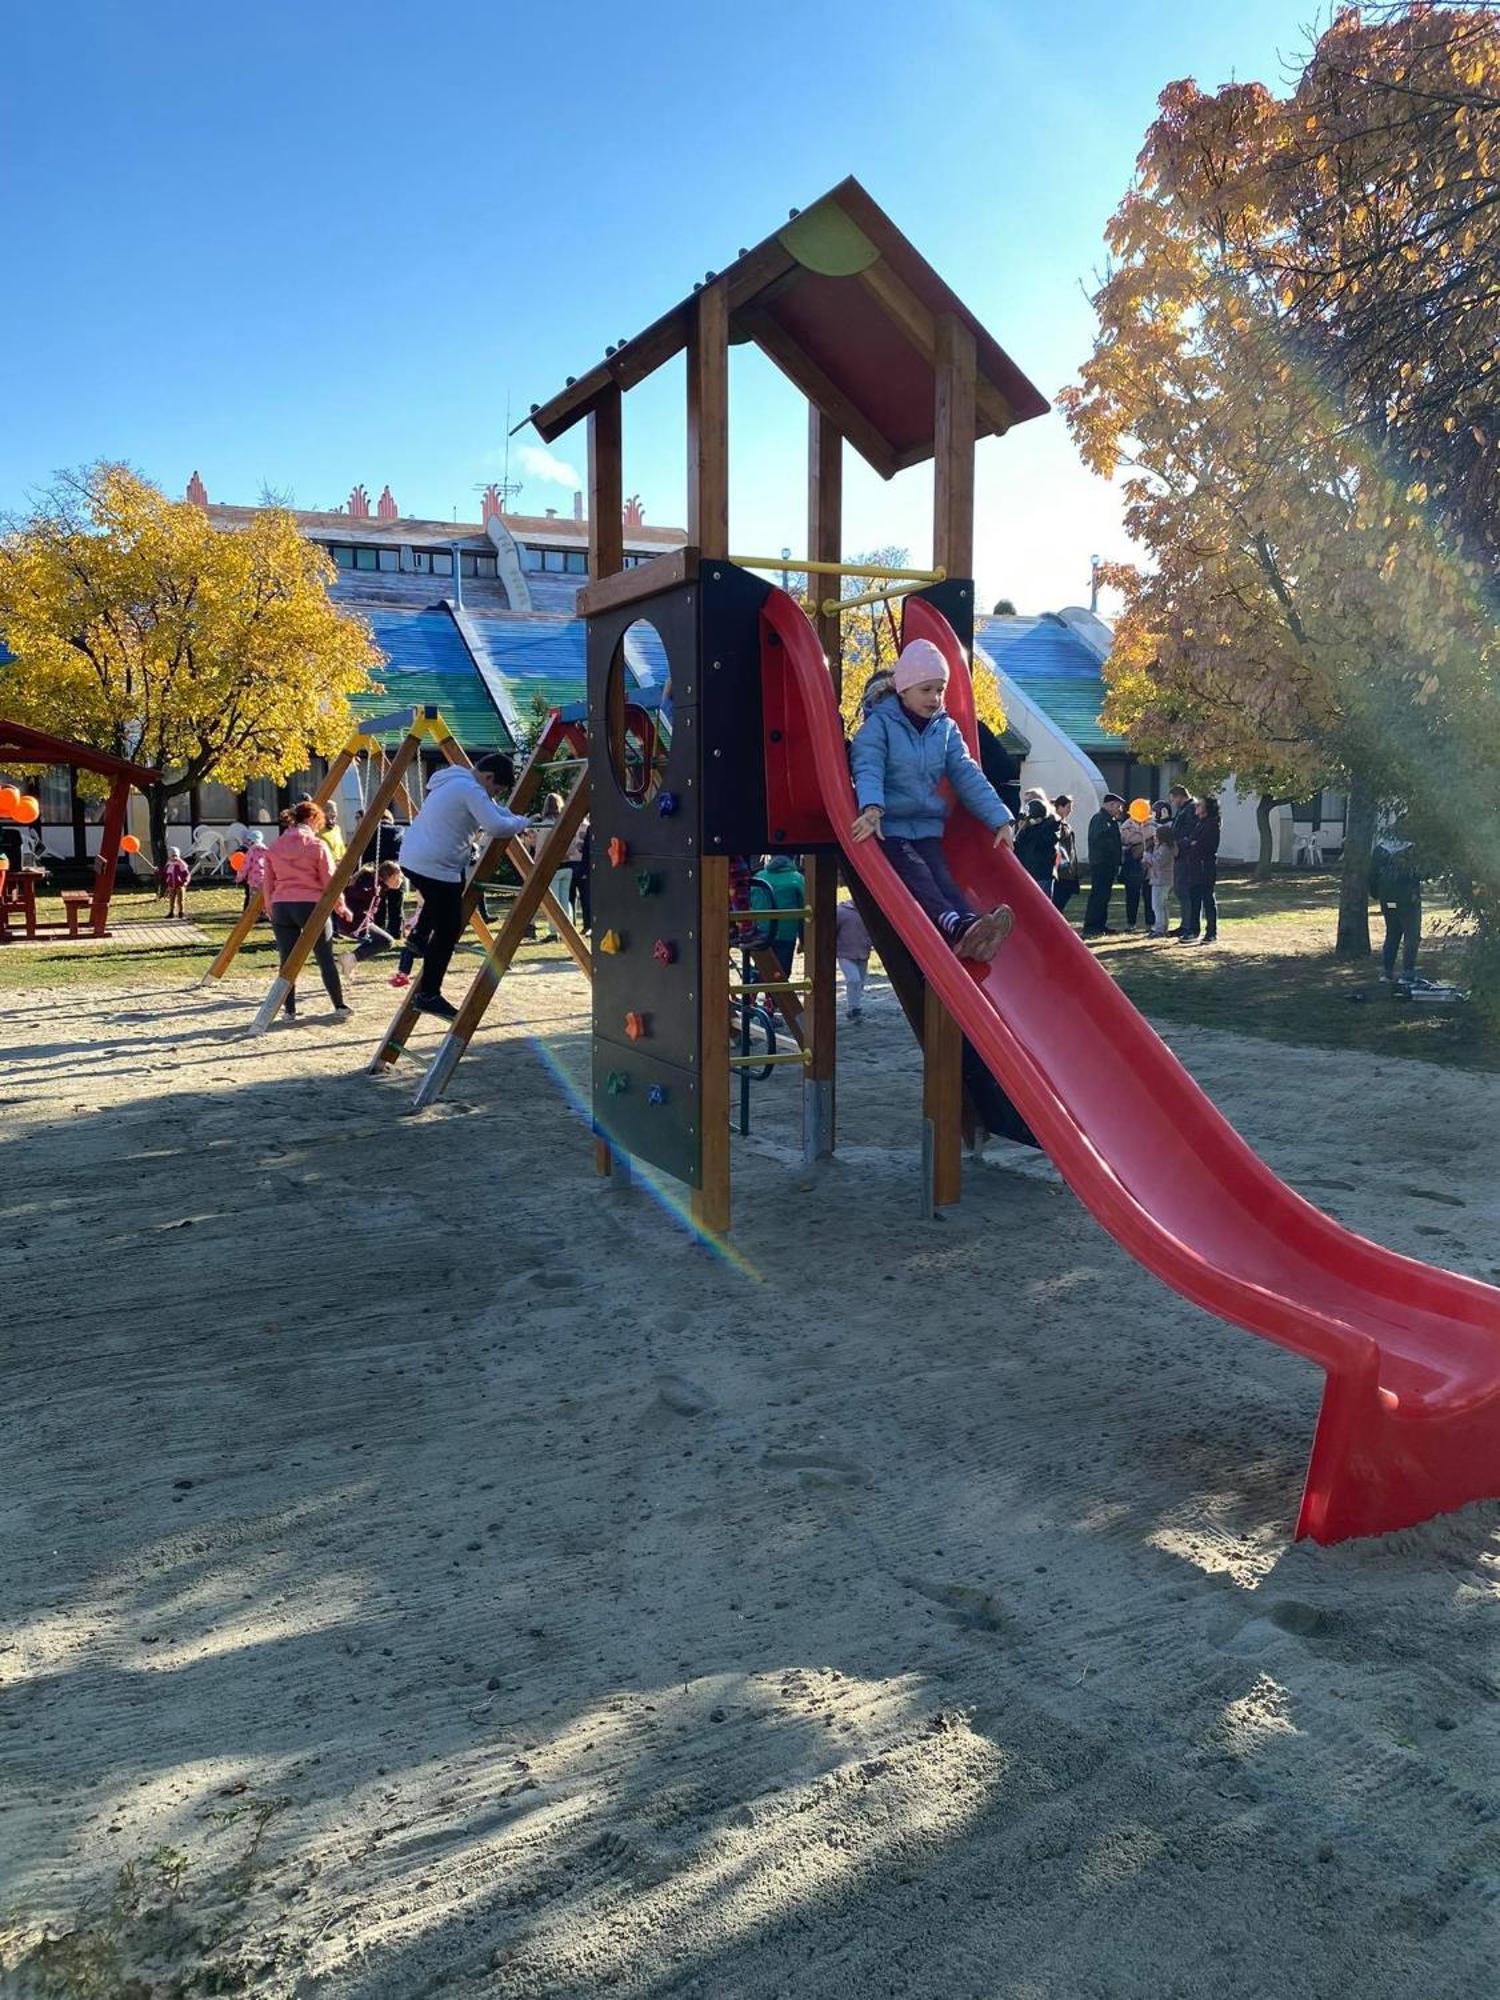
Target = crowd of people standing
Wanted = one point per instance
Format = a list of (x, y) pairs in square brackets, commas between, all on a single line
[(1172, 851)]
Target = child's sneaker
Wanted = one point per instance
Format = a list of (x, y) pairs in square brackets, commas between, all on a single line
[(400, 979), (985, 935)]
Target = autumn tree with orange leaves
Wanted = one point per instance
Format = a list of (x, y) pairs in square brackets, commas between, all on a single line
[(1295, 371)]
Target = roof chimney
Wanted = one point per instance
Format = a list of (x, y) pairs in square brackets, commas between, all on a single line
[(551, 513), (359, 504), (385, 506), (633, 514), (577, 504), (197, 492), (490, 505)]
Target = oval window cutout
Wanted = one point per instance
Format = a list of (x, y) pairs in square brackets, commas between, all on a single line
[(637, 714)]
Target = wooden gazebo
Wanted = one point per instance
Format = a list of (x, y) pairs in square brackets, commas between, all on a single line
[(31, 747)]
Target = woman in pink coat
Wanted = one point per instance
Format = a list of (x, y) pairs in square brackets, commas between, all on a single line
[(298, 868)]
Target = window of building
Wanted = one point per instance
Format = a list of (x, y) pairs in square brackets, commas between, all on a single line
[(1321, 809), (216, 802), (390, 558), (53, 791), (531, 558), (486, 566), (260, 802), (576, 563), (367, 558), (442, 562), (343, 556)]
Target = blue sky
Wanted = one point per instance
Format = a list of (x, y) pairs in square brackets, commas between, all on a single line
[(313, 246)]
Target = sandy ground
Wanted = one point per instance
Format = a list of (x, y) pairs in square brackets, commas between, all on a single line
[(475, 1585)]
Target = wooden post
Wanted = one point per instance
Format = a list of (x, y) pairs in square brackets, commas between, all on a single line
[(952, 550), (708, 421), (825, 481), (109, 854), (711, 1197), (606, 488), (708, 530), (953, 449), (606, 475)]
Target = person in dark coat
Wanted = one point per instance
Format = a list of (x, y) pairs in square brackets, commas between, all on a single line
[(1396, 884), (1105, 852), (1203, 873), (1065, 878), (388, 838), (1184, 808), (1036, 844)]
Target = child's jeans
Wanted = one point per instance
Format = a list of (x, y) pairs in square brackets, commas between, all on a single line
[(854, 970), (923, 869), (1159, 895)]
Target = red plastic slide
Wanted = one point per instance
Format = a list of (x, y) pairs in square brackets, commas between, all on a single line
[(1410, 1419)]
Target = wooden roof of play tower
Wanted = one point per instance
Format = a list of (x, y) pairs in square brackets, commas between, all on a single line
[(848, 310)]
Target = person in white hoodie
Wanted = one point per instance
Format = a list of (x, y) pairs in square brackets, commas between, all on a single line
[(435, 859)]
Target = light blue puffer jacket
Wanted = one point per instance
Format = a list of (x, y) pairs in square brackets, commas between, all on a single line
[(899, 766)]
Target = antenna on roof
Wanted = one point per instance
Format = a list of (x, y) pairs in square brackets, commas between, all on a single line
[(509, 489)]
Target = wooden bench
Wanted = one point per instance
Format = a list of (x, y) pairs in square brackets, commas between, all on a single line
[(77, 904)]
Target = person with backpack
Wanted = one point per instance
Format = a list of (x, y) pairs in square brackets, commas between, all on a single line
[(1396, 884), (778, 885)]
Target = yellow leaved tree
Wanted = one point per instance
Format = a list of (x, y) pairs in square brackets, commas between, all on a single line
[(1307, 608), (140, 629), (870, 646)]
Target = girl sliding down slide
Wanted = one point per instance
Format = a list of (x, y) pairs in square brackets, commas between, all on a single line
[(905, 748)]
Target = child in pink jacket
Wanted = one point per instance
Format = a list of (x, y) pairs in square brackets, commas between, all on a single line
[(174, 879), (253, 874), (298, 870)]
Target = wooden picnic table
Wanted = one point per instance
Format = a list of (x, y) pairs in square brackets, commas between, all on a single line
[(18, 887)]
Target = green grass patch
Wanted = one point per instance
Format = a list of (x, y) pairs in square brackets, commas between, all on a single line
[(120, 963), (1272, 972)]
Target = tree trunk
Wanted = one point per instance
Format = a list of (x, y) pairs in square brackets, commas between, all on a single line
[(1265, 805), (1353, 939), (156, 803)]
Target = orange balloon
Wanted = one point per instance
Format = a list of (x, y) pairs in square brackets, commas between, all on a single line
[(4, 863), (130, 845), (1140, 811), (10, 798), (29, 811), (237, 860)]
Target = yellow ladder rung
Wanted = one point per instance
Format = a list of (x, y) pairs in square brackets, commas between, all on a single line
[(759, 917), (772, 986), (757, 1062)]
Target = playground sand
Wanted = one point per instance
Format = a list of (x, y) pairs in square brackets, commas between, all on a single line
[(473, 1585)]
